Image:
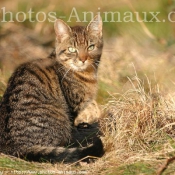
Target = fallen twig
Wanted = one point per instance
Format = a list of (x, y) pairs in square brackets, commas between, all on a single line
[(165, 165)]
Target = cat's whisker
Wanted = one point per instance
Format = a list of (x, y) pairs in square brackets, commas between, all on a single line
[(97, 64), (61, 69), (65, 74), (94, 67)]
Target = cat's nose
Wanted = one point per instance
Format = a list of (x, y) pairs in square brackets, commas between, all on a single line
[(83, 58)]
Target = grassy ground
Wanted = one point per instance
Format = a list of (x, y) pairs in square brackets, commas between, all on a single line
[(136, 85)]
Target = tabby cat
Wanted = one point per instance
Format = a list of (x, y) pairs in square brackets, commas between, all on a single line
[(44, 96)]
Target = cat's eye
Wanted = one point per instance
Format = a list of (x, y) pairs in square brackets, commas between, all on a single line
[(72, 49), (91, 47)]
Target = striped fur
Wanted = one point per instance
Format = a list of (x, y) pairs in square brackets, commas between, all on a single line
[(43, 98)]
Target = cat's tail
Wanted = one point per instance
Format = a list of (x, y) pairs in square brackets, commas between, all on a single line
[(66, 155)]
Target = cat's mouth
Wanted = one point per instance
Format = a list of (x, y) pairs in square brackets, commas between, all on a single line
[(79, 65)]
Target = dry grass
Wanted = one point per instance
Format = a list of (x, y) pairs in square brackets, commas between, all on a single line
[(137, 121), (139, 126)]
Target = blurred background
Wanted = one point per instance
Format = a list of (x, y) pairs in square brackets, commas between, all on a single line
[(143, 49)]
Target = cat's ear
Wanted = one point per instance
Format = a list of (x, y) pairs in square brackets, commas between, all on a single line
[(62, 30), (95, 26)]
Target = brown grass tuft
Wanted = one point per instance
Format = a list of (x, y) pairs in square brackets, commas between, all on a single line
[(138, 123)]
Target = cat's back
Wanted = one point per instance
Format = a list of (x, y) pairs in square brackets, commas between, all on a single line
[(32, 102), (30, 76), (32, 83)]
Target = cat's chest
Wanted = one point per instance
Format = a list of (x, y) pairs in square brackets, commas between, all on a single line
[(78, 93)]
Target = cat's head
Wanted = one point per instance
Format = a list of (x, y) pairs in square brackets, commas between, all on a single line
[(79, 48)]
